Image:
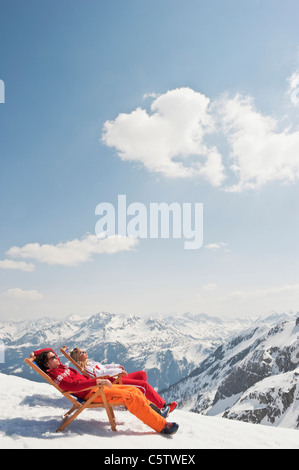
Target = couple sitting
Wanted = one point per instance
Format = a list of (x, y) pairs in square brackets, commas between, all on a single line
[(137, 379), (70, 380)]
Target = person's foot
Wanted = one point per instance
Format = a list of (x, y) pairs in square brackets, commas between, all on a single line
[(172, 406), (165, 411), (170, 429)]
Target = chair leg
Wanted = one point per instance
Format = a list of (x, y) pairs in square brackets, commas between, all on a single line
[(79, 408), (75, 407), (109, 411), (111, 417), (68, 421)]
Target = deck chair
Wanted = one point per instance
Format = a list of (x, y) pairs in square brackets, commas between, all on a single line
[(78, 405), (66, 352)]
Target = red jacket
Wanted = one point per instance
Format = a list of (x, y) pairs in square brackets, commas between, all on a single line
[(68, 379)]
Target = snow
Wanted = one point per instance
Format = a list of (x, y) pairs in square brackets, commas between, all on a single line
[(31, 412), (224, 404), (275, 387), (222, 383)]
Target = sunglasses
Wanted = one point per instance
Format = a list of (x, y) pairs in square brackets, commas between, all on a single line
[(53, 357)]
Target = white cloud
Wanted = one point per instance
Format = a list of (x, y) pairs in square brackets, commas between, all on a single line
[(20, 265), (170, 140), (216, 246), (20, 294), (210, 287), (260, 153), (261, 301), (150, 95), (72, 253), (173, 140), (293, 90), (222, 301), (272, 293)]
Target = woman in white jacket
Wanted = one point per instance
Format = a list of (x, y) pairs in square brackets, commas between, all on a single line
[(95, 369), (137, 379)]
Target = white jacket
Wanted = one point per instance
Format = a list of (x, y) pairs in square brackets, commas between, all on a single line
[(95, 369)]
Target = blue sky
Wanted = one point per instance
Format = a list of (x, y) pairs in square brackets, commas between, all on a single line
[(161, 101)]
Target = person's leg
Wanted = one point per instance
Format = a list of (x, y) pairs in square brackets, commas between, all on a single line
[(147, 390), (138, 375), (136, 403)]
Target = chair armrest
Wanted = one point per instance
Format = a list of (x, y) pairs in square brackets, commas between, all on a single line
[(99, 387)]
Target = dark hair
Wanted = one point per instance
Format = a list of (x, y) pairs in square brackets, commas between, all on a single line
[(42, 361)]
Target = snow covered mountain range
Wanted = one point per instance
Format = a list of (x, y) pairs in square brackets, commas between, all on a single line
[(168, 348), (243, 369), (252, 377)]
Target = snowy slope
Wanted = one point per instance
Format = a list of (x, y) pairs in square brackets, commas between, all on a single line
[(31, 412), (252, 377), (272, 400)]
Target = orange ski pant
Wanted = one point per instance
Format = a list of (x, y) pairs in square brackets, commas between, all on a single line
[(136, 403)]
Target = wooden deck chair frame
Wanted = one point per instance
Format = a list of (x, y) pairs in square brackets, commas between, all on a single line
[(78, 405), (65, 351)]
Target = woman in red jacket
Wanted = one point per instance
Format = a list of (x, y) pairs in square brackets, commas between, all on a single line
[(70, 380)]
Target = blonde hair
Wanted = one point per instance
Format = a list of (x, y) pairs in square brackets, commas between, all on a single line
[(75, 354)]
